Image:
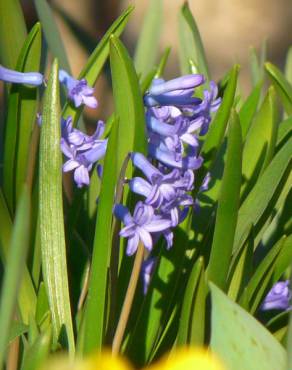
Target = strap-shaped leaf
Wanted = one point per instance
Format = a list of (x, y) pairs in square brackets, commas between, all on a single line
[(260, 141), (12, 31), (96, 61), (26, 295), (128, 102), (14, 268), (240, 340), (283, 87), (21, 116), (51, 32), (95, 311), (51, 216), (191, 46), (227, 210), (148, 42)]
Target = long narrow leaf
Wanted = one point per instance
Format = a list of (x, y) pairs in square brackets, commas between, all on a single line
[(191, 46), (148, 43), (95, 315), (51, 217), (227, 210), (12, 31), (14, 268)]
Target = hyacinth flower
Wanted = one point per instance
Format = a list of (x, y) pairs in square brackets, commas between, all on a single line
[(82, 150), (78, 90), (140, 226), (27, 78), (175, 120), (278, 297)]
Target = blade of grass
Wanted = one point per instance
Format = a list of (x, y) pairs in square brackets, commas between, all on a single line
[(14, 268), (227, 210), (51, 216), (148, 42)]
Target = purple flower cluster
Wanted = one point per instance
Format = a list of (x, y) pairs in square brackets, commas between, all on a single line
[(278, 297), (82, 150), (174, 119)]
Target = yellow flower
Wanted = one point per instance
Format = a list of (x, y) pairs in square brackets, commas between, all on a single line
[(182, 359), (189, 359)]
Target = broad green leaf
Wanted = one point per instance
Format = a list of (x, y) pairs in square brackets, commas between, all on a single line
[(52, 33), (148, 42), (240, 340), (20, 119), (191, 46), (227, 209), (258, 200), (128, 102), (260, 142), (257, 63), (26, 295), (248, 109), (282, 86), (288, 65), (14, 268), (51, 216), (95, 312), (192, 318), (96, 61), (217, 129), (12, 32), (27, 108), (257, 286), (162, 63)]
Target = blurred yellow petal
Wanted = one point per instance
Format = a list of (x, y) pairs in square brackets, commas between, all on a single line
[(189, 359), (105, 361)]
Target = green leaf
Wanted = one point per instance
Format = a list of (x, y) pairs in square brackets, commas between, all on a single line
[(14, 268), (288, 65), (191, 46), (12, 31), (96, 61), (282, 86), (284, 132), (26, 295), (128, 101), (257, 286), (95, 315), (192, 318), (260, 141), (284, 259), (17, 329), (227, 210), (258, 200), (240, 340), (20, 119), (27, 108), (148, 42), (51, 216), (37, 353), (248, 109), (52, 33), (217, 129)]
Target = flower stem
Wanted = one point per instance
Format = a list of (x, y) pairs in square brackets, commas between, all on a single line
[(127, 305)]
